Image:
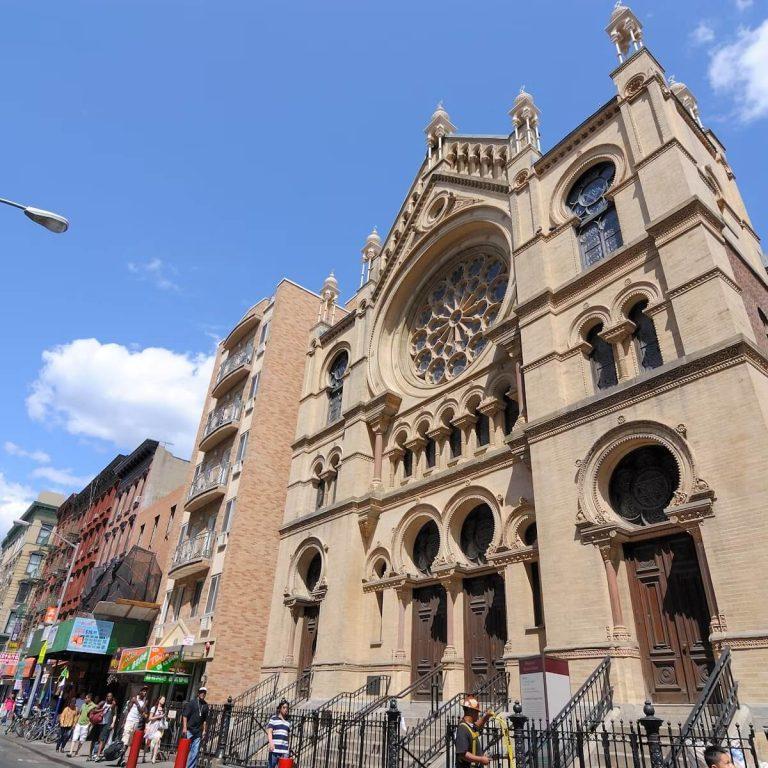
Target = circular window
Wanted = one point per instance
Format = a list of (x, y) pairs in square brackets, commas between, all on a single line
[(643, 483), (313, 572), (477, 533), (437, 209), (426, 546), (446, 330)]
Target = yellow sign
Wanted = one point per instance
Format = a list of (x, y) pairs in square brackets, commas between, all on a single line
[(43, 649)]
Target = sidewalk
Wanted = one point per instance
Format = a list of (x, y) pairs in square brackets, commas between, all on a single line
[(49, 752)]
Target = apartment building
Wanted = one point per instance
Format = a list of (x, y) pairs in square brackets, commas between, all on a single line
[(220, 573)]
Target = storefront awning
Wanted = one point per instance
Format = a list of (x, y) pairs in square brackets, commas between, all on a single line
[(86, 635)]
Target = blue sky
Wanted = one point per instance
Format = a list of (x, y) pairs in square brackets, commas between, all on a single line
[(203, 149)]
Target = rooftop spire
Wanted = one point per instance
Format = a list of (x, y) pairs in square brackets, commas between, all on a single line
[(525, 121), (439, 127), (370, 251), (625, 30)]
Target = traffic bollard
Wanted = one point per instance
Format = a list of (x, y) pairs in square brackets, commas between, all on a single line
[(285, 762), (182, 752), (133, 751)]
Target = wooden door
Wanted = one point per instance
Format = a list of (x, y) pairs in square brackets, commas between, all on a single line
[(429, 634), (485, 629), (671, 617), (307, 646)]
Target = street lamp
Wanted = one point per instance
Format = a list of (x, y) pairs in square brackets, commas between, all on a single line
[(75, 546), (51, 221)]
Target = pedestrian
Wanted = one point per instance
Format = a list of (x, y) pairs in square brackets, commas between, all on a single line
[(96, 717), (467, 740), (278, 733), (108, 721), (67, 719), (156, 725), (717, 757), (194, 722), (82, 725), (137, 714), (8, 705)]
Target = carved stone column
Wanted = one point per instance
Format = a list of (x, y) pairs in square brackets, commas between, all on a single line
[(493, 409), (419, 461), (607, 551), (403, 598), (440, 436), (466, 424), (293, 611), (378, 452)]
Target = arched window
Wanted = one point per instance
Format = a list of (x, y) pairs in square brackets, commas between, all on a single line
[(430, 451), (454, 440), (598, 229), (763, 320), (482, 428), (426, 546), (601, 357), (313, 572), (407, 462), (511, 412), (645, 337), (531, 536), (477, 533), (336, 386)]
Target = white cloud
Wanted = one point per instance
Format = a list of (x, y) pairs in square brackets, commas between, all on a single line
[(62, 477), (121, 395), (740, 70), (742, 5), (702, 34), (157, 272), (39, 457), (14, 500)]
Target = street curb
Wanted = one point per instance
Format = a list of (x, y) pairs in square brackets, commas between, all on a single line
[(26, 745)]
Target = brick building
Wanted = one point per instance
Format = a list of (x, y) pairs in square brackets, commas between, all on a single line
[(542, 429), (220, 575)]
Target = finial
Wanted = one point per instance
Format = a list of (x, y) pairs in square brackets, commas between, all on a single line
[(522, 88), (648, 709), (517, 708)]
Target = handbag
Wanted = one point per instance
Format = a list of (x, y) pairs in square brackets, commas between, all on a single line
[(96, 716)]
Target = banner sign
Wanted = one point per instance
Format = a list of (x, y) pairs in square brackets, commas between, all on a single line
[(162, 660), (153, 659), (154, 677), (90, 635), (133, 660)]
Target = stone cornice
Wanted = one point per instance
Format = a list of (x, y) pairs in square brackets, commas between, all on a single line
[(734, 351), (340, 325), (704, 277)]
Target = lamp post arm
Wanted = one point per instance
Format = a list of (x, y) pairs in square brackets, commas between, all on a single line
[(12, 204)]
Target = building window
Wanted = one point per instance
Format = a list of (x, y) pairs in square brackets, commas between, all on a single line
[(511, 413), (336, 386), (454, 441), (320, 495), (23, 593), (141, 534), (407, 462), (538, 608), (196, 594), (170, 520), (482, 428), (763, 320), (33, 566), (430, 451), (254, 386), (477, 533), (229, 511), (426, 546), (598, 230), (154, 530), (213, 593), (645, 337), (10, 625), (601, 358), (242, 446), (44, 534), (264, 334), (178, 599)]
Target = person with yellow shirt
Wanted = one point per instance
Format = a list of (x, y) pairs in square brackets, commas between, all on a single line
[(67, 718)]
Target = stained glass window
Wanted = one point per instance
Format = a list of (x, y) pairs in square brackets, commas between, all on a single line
[(463, 300), (598, 232), (645, 336), (477, 533), (336, 386), (426, 546)]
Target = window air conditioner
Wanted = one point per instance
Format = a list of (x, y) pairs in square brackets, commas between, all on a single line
[(237, 468), (221, 540), (205, 622)]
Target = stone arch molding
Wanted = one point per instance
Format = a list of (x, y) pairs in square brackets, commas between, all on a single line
[(459, 506), (405, 533), (594, 509), (630, 296), (376, 555), (518, 521), (584, 322), (301, 557), (559, 213)]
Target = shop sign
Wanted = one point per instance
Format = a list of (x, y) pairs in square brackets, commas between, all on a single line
[(89, 635), (162, 660), (7, 658), (154, 677), (133, 660), (26, 669)]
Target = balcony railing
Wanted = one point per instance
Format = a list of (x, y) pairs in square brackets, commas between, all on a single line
[(234, 361), (199, 547), (225, 414), (211, 477)]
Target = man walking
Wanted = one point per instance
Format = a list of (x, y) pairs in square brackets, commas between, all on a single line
[(467, 740), (137, 714), (82, 726), (278, 732), (194, 722)]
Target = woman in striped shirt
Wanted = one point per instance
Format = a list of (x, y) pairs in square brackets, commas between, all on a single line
[(278, 733)]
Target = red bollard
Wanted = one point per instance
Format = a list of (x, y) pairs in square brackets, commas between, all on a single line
[(182, 752), (285, 762), (133, 751)]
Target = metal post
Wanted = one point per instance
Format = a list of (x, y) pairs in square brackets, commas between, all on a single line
[(652, 725), (226, 716), (393, 734), (519, 720)]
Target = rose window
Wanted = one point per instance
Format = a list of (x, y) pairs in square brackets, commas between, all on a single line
[(447, 328)]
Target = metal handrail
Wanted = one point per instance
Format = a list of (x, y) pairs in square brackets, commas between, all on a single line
[(197, 547), (208, 478), (254, 696), (243, 357), (224, 414), (602, 705), (715, 707)]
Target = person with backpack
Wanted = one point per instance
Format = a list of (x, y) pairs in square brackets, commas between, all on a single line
[(467, 740), (108, 721), (82, 725)]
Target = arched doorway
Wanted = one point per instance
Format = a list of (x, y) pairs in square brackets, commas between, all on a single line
[(309, 625), (668, 596)]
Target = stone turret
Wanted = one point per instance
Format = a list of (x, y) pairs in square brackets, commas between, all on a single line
[(329, 297), (525, 121), (370, 251), (439, 127), (686, 98), (625, 31)]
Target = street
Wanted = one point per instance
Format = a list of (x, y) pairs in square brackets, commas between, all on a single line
[(18, 752)]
